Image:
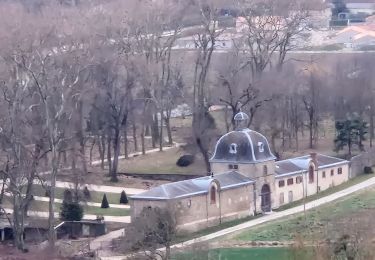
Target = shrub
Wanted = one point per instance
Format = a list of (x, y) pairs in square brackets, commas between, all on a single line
[(68, 196), (368, 170), (185, 160), (105, 204), (86, 193), (123, 198), (71, 211)]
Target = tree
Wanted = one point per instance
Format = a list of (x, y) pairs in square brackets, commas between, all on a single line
[(123, 198), (205, 42), (349, 132), (105, 204), (152, 229), (71, 211)]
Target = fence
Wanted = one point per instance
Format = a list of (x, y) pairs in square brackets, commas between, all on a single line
[(358, 162)]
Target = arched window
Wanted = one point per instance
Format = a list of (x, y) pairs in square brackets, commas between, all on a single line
[(311, 174), (213, 195), (265, 170)]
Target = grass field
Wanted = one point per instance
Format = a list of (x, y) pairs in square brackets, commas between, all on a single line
[(160, 163), (95, 196), (43, 206), (352, 213), (265, 253)]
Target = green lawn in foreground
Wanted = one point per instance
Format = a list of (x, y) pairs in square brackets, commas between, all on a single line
[(263, 253), (320, 222)]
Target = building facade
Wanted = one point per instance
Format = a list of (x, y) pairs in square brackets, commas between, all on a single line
[(246, 180)]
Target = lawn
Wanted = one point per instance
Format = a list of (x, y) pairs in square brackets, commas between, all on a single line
[(350, 214), (43, 206), (161, 163), (262, 253), (95, 196)]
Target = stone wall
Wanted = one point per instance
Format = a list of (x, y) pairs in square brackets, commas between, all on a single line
[(357, 163)]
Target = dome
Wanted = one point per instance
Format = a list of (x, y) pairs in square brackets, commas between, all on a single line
[(241, 120), (241, 116), (242, 146)]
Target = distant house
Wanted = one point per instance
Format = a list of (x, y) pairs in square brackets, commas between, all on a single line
[(347, 12), (356, 37)]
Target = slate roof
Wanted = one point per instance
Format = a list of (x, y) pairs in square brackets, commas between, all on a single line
[(247, 144), (192, 187), (299, 164)]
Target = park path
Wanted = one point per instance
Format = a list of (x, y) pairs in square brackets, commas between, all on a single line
[(270, 217)]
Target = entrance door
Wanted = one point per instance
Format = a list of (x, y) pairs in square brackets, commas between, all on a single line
[(265, 198)]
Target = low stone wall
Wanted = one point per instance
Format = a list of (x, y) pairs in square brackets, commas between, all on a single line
[(358, 162)]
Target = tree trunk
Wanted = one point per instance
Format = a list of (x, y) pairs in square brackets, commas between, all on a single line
[(169, 130), (205, 155), (135, 136), (51, 204), (126, 144), (91, 150), (101, 145), (109, 155), (82, 138), (18, 223), (161, 132), (116, 154), (143, 140)]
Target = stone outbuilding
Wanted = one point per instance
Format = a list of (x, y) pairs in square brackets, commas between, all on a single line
[(246, 179)]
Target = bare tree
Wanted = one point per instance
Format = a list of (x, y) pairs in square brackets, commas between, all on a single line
[(153, 229), (205, 42)]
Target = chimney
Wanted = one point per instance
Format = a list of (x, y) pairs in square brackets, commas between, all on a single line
[(313, 157)]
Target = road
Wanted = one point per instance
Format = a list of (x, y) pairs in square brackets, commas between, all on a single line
[(270, 217)]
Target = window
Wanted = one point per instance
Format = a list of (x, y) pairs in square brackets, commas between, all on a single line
[(290, 196), (298, 179), (339, 170), (323, 174), (265, 170), (281, 183), (189, 203), (233, 166), (311, 174), (332, 172), (290, 181), (281, 198), (261, 147), (213, 195), (233, 148)]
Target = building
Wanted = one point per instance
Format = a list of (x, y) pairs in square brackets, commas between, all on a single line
[(356, 37), (246, 180)]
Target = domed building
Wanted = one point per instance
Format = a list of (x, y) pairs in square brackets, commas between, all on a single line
[(246, 180)]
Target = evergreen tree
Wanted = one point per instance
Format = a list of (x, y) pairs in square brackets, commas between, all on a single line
[(123, 198), (105, 204), (350, 132), (71, 211)]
